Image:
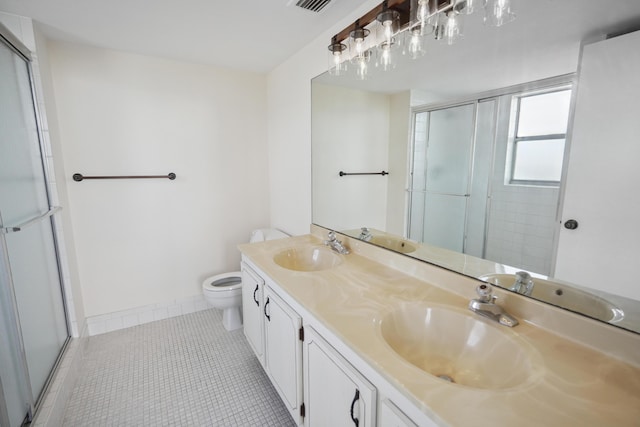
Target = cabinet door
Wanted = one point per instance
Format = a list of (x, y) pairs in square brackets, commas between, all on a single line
[(391, 416), (283, 350), (335, 393), (252, 303)]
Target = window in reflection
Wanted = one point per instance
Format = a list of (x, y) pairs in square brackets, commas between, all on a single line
[(540, 121)]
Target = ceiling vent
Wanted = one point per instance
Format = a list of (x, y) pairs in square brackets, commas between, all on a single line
[(312, 5)]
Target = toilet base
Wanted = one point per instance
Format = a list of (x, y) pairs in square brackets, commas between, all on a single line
[(232, 318)]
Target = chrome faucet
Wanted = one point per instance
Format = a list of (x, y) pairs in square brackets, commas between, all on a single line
[(335, 244), (523, 284), (365, 235), (485, 305)]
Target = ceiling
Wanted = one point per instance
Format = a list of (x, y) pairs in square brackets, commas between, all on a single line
[(251, 35)]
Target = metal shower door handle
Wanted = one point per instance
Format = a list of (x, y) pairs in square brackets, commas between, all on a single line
[(19, 227)]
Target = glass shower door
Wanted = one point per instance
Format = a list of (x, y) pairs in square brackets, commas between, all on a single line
[(448, 163), (30, 279)]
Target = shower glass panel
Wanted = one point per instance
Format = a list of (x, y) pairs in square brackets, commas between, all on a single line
[(448, 166), (444, 221), (449, 150), (30, 273), (16, 402), (34, 270), (476, 229)]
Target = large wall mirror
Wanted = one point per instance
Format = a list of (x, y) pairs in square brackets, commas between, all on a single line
[(512, 155)]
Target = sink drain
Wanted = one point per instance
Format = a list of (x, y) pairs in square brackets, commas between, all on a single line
[(446, 378)]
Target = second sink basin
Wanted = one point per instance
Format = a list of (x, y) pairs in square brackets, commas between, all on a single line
[(314, 258), (563, 296), (456, 347)]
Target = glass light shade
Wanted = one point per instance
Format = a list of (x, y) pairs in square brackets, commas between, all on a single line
[(452, 31), (359, 45), (337, 58), (467, 7), (388, 26), (424, 10), (386, 56), (361, 65), (438, 21), (415, 40), (498, 12)]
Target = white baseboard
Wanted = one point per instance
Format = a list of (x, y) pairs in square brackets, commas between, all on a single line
[(137, 316)]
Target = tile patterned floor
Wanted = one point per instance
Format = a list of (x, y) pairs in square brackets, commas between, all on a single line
[(183, 371)]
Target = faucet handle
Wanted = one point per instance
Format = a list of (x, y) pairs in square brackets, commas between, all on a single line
[(485, 292), (331, 236), (522, 276)]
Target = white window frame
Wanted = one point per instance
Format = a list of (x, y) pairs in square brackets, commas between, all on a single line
[(515, 120)]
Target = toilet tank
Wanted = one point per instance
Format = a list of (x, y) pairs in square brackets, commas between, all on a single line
[(263, 234)]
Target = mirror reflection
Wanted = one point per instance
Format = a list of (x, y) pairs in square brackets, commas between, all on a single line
[(505, 163)]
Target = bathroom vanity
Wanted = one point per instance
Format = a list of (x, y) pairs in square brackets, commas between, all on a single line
[(375, 338)]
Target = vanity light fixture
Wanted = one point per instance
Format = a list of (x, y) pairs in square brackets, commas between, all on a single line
[(414, 18)]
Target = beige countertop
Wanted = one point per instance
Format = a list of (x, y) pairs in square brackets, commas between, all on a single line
[(570, 384)]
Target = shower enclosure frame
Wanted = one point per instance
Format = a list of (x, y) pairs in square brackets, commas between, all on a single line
[(34, 401)]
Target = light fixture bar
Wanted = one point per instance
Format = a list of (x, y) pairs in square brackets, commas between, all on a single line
[(401, 6)]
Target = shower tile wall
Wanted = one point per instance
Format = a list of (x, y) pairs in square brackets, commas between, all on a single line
[(522, 227)]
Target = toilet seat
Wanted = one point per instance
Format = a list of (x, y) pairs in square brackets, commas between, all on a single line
[(225, 282)]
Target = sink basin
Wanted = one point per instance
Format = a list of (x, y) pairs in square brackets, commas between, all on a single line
[(457, 347), (314, 258), (563, 296), (398, 245)]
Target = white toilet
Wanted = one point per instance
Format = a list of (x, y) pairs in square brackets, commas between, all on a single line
[(224, 291)]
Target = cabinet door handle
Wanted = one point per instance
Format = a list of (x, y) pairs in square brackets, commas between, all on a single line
[(265, 310), (353, 404), (254, 296)]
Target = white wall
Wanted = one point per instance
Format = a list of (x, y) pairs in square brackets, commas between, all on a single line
[(141, 242), (289, 117), (399, 129), (350, 134)]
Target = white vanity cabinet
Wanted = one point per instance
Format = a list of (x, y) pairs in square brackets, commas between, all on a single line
[(335, 393), (252, 314), (320, 382), (283, 351)]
